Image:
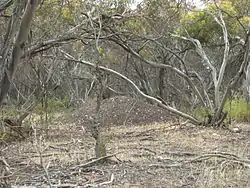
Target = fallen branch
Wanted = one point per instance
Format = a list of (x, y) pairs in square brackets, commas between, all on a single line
[(50, 154), (179, 154), (231, 157), (166, 165), (94, 161), (228, 156), (64, 185), (5, 169), (101, 184)]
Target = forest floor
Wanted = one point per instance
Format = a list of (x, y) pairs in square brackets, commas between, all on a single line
[(155, 154)]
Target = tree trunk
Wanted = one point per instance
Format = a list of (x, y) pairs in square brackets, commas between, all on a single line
[(18, 47)]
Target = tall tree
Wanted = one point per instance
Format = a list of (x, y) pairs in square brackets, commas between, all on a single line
[(17, 51)]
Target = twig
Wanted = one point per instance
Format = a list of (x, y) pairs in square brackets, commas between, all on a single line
[(5, 169), (59, 148), (5, 177), (94, 161), (38, 146), (64, 185), (51, 154), (224, 153), (166, 165), (101, 184), (127, 115), (232, 157), (179, 154), (147, 149)]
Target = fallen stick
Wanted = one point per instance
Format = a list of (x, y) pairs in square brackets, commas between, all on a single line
[(101, 184), (228, 156), (94, 161)]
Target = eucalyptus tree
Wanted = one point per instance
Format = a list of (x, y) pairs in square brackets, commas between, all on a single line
[(139, 35), (156, 41), (17, 33)]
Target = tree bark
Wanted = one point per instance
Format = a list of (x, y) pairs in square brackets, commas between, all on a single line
[(18, 47)]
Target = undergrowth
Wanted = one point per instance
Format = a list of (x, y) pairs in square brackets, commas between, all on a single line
[(53, 106), (238, 109)]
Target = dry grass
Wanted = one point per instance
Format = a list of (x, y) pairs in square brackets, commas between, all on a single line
[(156, 155)]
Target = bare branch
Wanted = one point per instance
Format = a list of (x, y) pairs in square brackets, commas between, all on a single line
[(153, 99), (160, 65)]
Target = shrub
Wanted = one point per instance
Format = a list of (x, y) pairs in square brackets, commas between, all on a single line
[(238, 109), (53, 106)]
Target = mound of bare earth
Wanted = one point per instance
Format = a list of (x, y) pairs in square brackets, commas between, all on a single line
[(122, 110)]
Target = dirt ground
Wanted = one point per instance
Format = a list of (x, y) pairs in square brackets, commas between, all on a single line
[(154, 154)]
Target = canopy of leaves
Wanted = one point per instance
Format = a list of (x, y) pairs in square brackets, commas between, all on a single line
[(200, 24), (241, 6)]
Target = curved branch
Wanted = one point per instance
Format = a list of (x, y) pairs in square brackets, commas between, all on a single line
[(160, 65), (153, 99), (237, 77), (45, 45), (5, 4)]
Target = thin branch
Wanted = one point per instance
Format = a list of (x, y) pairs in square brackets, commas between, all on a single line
[(153, 99), (101, 184), (202, 54), (233, 82), (160, 65), (90, 163)]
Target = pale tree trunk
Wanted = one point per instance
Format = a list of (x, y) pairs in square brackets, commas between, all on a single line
[(18, 48), (247, 83), (13, 24), (217, 76), (217, 85), (234, 81)]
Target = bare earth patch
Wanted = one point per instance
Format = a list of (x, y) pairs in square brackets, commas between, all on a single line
[(149, 155)]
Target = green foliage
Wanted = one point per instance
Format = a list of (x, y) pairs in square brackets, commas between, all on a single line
[(201, 113), (71, 10), (6, 136), (201, 25), (161, 9), (238, 109), (10, 111), (138, 26), (55, 17), (241, 6), (245, 20), (161, 15), (53, 106), (68, 15), (100, 51)]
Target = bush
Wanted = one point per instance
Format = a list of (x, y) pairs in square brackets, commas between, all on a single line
[(54, 105), (238, 109)]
